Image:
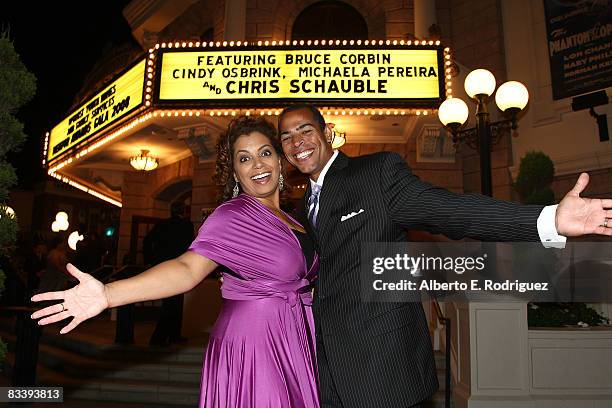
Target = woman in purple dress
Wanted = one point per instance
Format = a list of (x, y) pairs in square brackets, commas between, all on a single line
[(261, 352)]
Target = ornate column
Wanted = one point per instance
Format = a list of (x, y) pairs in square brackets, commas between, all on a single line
[(424, 17), (235, 20)]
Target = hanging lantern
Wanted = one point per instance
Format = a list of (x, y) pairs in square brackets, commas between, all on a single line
[(144, 162)]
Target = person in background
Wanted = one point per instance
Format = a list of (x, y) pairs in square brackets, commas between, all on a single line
[(35, 262), (55, 275), (89, 252), (168, 239)]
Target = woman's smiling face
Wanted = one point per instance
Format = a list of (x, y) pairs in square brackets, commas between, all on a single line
[(257, 166)]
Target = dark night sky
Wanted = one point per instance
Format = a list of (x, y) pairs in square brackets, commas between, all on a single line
[(60, 42)]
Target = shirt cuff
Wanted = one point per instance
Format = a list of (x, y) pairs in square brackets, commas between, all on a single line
[(547, 229)]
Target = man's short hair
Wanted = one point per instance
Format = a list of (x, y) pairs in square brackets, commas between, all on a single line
[(315, 113)]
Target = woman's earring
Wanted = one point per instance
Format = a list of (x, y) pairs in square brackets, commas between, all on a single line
[(236, 190), (281, 183)]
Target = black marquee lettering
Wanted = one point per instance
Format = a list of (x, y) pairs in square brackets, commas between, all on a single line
[(294, 86), (274, 86), (382, 84)]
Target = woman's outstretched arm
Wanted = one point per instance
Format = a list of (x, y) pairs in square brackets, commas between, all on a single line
[(90, 296)]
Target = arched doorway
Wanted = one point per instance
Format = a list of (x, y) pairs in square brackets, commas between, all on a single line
[(329, 19), (175, 191), (179, 190)]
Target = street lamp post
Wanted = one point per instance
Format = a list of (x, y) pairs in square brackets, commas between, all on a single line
[(511, 98)]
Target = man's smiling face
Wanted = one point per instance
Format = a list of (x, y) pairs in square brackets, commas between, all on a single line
[(306, 145)]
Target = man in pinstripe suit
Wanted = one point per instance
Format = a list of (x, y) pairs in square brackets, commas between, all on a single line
[(380, 354)]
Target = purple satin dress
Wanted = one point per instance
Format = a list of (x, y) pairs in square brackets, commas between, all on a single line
[(261, 352)]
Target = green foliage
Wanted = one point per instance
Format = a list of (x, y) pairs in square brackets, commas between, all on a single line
[(8, 178), (563, 314), (536, 173), (11, 133), (8, 233), (17, 87), (17, 84)]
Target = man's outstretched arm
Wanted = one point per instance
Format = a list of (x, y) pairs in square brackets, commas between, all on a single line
[(415, 204)]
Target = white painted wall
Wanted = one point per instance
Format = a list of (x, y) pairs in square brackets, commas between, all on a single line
[(571, 139)]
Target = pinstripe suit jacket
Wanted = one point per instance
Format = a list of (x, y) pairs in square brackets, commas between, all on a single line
[(380, 354)]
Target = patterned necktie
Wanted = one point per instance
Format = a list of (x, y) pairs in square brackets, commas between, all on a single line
[(313, 201)]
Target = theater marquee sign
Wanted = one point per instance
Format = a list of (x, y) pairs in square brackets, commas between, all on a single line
[(401, 76), (109, 105), (196, 77)]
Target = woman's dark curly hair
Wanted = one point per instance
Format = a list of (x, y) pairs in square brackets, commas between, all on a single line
[(243, 125)]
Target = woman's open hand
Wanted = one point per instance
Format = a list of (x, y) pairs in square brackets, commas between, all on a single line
[(84, 301)]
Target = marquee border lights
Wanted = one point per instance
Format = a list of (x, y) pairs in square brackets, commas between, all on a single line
[(137, 120), (327, 111), (448, 72), (149, 110), (85, 189), (149, 79), (45, 148), (285, 43), (444, 60)]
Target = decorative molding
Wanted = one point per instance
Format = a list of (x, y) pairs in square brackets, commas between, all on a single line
[(587, 352)]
